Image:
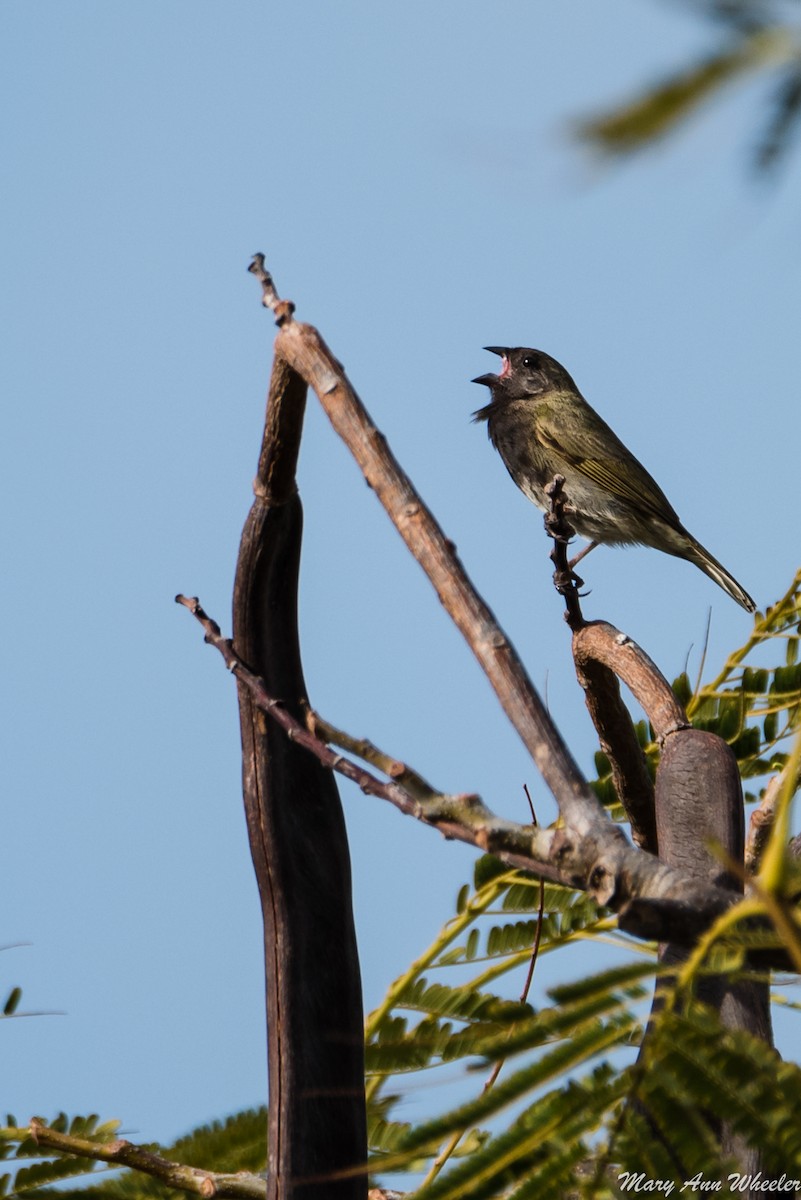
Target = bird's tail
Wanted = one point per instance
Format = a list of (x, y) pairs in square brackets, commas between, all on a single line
[(711, 567)]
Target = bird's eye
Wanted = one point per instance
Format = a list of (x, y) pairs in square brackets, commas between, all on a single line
[(531, 362)]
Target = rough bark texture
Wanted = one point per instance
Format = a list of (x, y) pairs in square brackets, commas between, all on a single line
[(618, 739), (300, 854), (699, 806)]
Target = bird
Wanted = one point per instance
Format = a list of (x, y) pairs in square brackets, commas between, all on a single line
[(542, 426)]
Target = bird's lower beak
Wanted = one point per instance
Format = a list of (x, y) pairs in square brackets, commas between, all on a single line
[(491, 380)]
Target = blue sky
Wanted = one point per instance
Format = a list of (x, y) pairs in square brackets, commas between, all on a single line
[(409, 174)]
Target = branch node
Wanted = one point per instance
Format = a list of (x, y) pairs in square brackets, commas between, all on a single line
[(469, 800), (676, 727), (283, 312), (283, 309)]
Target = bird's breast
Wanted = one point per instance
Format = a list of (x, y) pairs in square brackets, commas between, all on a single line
[(594, 512)]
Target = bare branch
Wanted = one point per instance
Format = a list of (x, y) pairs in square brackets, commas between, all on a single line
[(283, 309), (609, 714), (461, 817), (600, 642), (601, 654), (619, 742), (613, 871), (175, 1175), (303, 348)]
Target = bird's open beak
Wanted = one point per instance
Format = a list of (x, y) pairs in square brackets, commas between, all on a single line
[(489, 380)]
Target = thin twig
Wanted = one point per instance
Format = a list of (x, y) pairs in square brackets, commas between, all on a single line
[(283, 309), (363, 748), (688, 903), (461, 817), (535, 950), (704, 651), (760, 822), (612, 871)]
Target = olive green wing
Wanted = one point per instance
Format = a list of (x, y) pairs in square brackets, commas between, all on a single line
[(584, 440)]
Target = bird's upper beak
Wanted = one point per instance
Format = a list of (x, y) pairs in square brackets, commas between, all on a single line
[(489, 380)]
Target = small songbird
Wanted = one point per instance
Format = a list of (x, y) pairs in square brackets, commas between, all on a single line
[(542, 426)]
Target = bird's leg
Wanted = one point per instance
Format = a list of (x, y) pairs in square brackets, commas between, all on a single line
[(578, 557)]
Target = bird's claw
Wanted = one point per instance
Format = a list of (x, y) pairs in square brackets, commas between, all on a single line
[(567, 580)]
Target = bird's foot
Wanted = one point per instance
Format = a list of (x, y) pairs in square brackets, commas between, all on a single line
[(558, 527), (564, 577)]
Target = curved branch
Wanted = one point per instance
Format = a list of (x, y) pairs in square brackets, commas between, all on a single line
[(620, 744), (600, 642), (316, 1113), (602, 655)]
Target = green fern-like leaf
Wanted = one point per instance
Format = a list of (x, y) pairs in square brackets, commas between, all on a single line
[(238, 1143), (593, 1040), (539, 1152), (695, 1074), (30, 1180), (661, 109), (12, 1002)]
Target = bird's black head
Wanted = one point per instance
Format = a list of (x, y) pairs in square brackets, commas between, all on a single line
[(525, 372)]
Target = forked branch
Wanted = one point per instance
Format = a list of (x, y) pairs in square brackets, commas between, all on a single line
[(646, 892)]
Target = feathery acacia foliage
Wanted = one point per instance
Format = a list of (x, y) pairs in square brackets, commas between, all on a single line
[(753, 703), (758, 38)]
